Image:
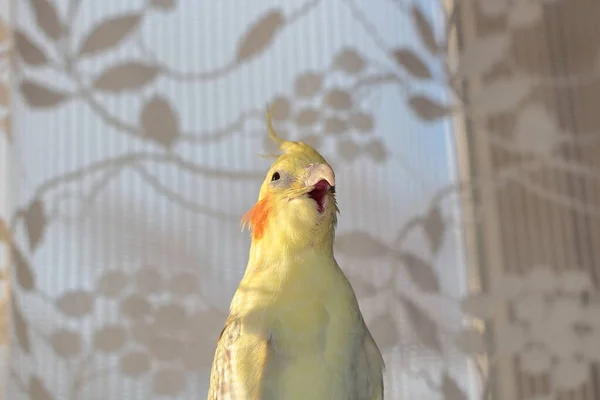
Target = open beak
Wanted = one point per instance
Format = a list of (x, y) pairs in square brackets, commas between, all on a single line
[(322, 181)]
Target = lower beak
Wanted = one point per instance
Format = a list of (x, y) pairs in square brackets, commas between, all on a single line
[(318, 173)]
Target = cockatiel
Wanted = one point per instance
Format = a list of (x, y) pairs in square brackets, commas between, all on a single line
[(295, 330)]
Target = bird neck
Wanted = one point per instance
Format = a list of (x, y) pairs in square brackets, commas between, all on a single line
[(280, 244), (273, 279)]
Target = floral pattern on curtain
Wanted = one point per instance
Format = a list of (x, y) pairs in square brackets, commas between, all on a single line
[(135, 136)]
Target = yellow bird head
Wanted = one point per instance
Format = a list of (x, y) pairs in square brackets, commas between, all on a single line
[(296, 205)]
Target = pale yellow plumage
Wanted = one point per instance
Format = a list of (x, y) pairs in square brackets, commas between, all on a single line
[(295, 330)]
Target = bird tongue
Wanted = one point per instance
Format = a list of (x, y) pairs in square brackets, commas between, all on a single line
[(318, 194)]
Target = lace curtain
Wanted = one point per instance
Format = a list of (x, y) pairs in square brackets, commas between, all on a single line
[(463, 135)]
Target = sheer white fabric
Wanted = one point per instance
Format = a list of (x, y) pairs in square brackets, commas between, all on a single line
[(136, 130)]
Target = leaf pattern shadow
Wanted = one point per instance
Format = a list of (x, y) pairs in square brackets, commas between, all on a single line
[(166, 328)]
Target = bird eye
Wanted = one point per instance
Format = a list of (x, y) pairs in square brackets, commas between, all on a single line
[(275, 177)]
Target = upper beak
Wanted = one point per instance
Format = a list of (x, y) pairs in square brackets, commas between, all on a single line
[(319, 172)]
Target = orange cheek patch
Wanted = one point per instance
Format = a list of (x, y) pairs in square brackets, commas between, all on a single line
[(258, 218)]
